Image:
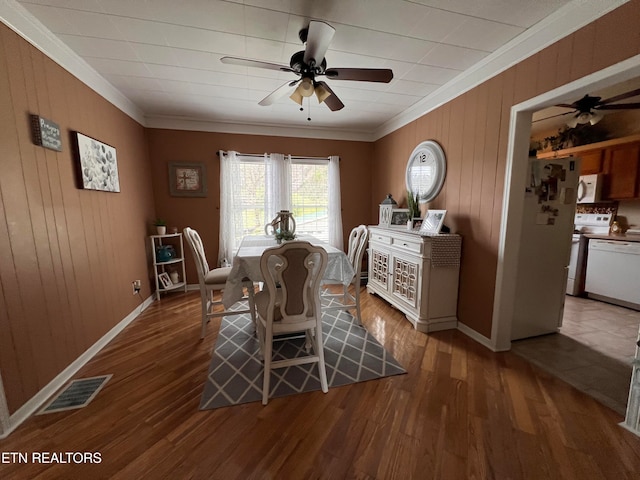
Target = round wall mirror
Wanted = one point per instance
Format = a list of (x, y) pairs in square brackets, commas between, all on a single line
[(426, 170)]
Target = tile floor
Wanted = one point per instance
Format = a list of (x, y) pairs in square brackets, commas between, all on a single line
[(593, 350)]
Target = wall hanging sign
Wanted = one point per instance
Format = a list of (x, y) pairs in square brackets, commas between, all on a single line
[(187, 180), (46, 133), (98, 165)]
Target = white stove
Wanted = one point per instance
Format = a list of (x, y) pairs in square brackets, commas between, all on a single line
[(584, 223), (594, 223)]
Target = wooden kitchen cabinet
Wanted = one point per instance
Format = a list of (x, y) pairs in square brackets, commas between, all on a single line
[(621, 169), (591, 162), (617, 159)]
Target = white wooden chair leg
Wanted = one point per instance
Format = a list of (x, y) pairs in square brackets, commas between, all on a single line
[(268, 346), (321, 368), (205, 316), (252, 305)]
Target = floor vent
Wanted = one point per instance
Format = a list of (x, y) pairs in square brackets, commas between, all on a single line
[(76, 394)]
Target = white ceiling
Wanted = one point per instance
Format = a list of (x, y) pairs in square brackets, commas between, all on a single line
[(163, 56)]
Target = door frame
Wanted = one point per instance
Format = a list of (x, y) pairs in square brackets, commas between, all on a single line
[(515, 183), (4, 411)]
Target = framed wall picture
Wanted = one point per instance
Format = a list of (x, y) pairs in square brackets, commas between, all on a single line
[(432, 222), (399, 216), (97, 163), (165, 280), (187, 179)]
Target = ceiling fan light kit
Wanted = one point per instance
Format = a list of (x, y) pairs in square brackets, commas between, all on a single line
[(311, 63), (585, 117)]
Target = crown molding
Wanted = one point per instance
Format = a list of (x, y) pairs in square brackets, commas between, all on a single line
[(172, 123), (565, 21)]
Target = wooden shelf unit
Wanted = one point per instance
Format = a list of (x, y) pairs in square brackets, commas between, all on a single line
[(177, 263)]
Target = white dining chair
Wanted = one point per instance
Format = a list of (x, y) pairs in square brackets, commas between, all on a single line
[(358, 239), (211, 281), (289, 304)]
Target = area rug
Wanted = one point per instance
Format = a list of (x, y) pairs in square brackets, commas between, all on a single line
[(235, 375)]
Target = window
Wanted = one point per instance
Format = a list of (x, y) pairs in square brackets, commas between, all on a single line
[(254, 188), (310, 197)]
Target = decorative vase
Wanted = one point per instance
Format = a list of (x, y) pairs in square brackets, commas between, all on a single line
[(175, 278), (162, 229)]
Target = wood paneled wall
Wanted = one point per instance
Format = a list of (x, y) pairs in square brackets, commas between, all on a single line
[(203, 214), (473, 129), (68, 256)]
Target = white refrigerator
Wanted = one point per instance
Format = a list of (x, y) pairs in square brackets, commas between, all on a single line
[(545, 246)]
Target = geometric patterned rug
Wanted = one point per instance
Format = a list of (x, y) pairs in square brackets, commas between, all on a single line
[(235, 374)]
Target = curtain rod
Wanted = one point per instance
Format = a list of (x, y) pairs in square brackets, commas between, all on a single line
[(261, 155)]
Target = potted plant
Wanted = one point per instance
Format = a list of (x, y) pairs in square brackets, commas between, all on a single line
[(413, 205), (284, 235), (161, 226)]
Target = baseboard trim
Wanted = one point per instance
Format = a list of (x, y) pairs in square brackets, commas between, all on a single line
[(481, 339), (63, 377)]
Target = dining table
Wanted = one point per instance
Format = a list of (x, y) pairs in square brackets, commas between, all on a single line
[(246, 265)]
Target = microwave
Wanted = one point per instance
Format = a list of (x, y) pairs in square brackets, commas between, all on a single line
[(589, 188)]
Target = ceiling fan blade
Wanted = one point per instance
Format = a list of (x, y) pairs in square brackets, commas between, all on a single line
[(319, 37), (552, 116), (382, 75), (619, 106), (622, 96), (247, 62), (278, 93), (566, 105), (332, 101)]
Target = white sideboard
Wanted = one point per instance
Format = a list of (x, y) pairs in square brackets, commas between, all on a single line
[(416, 274)]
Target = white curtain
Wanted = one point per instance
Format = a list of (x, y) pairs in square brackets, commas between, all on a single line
[(278, 174), (335, 204), (229, 168)]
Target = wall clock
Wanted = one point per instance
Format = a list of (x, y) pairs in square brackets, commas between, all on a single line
[(426, 171)]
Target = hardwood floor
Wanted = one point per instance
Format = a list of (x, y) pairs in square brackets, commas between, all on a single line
[(461, 412)]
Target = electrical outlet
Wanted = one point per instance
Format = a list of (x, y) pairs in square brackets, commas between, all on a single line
[(136, 284)]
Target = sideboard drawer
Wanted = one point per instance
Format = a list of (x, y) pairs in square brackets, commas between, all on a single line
[(380, 238), (408, 245)]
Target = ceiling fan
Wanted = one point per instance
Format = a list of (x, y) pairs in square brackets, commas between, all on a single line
[(586, 110), (310, 63)]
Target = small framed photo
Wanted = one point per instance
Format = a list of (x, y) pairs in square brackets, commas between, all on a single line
[(165, 280), (432, 222), (416, 223), (399, 216), (187, 179)]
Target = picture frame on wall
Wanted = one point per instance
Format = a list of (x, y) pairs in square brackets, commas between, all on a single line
[(433, 221), (187, 179), (97, 164)]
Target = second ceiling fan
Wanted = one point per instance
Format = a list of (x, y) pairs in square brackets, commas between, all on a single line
[(586, 110), (310, 63)]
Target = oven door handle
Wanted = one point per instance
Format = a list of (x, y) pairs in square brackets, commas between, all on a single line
[(582, 190)]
